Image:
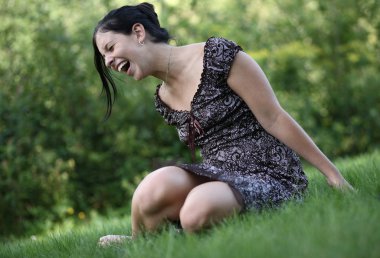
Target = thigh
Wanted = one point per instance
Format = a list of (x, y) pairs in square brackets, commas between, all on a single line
[(165, 186), (210, 201)]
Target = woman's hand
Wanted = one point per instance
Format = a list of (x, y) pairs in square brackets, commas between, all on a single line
[(340, 183)]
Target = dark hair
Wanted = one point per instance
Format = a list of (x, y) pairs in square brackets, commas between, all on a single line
[(121, 21)]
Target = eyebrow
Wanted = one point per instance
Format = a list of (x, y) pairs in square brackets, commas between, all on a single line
[(104, 48)]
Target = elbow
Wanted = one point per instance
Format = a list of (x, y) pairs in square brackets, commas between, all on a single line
[(271, 121)]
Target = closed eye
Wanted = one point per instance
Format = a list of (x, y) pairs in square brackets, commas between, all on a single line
[(110, 49)]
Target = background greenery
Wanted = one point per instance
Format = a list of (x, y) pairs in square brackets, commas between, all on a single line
[(59, 160)]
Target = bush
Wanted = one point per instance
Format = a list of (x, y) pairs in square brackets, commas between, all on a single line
[(56, 153)]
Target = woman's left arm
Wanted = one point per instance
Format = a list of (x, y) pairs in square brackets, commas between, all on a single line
[(248, 81)]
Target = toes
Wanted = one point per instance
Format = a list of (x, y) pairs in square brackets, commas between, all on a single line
[(113, 239)]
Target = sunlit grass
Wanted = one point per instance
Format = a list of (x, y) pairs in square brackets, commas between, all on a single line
[(328, 223)]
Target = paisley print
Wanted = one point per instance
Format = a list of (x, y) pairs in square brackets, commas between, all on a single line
[(235, 148)]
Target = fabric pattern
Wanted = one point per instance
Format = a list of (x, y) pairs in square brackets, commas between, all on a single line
[(235, 148)]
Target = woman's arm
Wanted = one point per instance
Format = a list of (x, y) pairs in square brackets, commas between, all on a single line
[(250, 83)]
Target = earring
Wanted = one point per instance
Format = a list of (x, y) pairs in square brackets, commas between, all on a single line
[(141, 43)]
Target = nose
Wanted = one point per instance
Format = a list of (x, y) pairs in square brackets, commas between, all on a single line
[(109, 61)]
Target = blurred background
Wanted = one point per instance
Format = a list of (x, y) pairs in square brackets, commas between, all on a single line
[(60, 161)]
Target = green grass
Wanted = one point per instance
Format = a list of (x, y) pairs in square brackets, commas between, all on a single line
[(328, 223)]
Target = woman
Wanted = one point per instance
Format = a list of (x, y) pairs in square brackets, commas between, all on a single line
[(219, 100)]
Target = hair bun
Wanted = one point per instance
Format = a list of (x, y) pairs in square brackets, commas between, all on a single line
[(148, 10), (147, 6)]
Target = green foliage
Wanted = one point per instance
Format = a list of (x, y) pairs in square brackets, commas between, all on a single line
[(56, 152), (322, 59)]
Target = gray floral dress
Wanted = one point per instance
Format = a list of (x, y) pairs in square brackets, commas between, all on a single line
[(235, 148)]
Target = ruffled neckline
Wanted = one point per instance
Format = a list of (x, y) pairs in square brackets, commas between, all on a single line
[(165, 109)]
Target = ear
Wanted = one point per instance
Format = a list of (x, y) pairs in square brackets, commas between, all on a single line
[(139, 31)]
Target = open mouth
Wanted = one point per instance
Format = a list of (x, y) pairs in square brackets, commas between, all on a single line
[(124, 66)]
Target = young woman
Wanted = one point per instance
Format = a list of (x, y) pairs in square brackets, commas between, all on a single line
[(220, 101)]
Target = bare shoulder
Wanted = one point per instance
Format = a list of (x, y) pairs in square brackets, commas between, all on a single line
[(194, 49), (246, 72), (248, 80)]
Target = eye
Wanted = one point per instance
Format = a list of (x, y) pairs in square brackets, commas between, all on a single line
[(110, 49)]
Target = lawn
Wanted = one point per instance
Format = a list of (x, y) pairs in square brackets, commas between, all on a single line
[(329, 223)]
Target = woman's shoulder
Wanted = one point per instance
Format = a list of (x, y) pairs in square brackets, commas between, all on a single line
[(221, 48), (214, 44), (220, 52), (221, 43)]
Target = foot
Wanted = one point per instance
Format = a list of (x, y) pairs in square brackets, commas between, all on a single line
[(113, 239)]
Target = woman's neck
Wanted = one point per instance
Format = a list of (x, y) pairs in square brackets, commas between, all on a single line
[(179, 61)]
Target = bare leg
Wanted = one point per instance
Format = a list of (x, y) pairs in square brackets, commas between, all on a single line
[(208, 204), (171, 193), (160, 196)]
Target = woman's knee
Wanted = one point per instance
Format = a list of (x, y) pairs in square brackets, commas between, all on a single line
[(194, 216), (160, 188), (207, 204), (150, 193)]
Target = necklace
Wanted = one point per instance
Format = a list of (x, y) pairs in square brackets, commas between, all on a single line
[(168, 67)]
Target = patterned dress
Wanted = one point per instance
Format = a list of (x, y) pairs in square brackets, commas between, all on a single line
[(235, 148)]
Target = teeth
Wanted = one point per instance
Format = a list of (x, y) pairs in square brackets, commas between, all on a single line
[(122, 65)]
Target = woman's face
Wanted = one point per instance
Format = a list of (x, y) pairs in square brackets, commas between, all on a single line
[(121, 53)]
